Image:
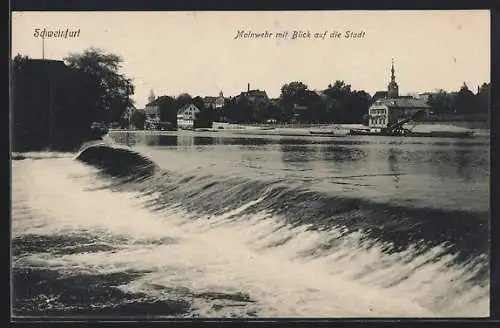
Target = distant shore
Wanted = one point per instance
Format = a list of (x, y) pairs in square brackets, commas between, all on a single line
[(312, 130)]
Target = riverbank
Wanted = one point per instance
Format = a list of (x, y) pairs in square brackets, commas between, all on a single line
[(337, 130)]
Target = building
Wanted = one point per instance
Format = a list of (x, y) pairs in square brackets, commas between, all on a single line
[(50, 108), (220, 101), (214, 102), (426, 96), (209, 101), (255, 96), (384, 112), (390, 109), (379, 95), (152, 115), (186, 116)]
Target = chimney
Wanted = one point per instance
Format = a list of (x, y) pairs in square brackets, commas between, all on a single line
[(248, 87)]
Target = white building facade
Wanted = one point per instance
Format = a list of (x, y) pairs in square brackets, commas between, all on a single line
[(384, 112), (186, 116), (152, 113)]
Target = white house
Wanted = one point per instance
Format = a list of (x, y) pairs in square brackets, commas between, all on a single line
[(388, 107), (387, 111), (186, 116)]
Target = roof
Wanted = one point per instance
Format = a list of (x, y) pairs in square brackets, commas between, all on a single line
[(153, 103), (45, 61), (405, 103), (209, 99), (256, 93), (185, 107), (382, 94)]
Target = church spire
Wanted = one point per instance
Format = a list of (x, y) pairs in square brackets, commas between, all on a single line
[(393, 77), (393, 88), (151, 97)]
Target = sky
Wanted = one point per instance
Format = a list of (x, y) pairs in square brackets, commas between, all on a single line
[(196, 52)]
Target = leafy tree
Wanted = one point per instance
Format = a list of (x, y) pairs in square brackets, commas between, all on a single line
[(138, 119), (465, 100), (273, 111), (345, 105), (182, 100), (357, 105), (198, 102), (204, 119), (441, 103), (108, 89), (294, 91), (483, 99), (339, 90), (168, 110), (293, 94), (239, 109)]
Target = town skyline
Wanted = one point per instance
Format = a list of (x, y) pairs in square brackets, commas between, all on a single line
[(176, 52)]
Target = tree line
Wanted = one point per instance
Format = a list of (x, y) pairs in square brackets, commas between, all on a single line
[(338, 103), (297, 103), (54, 104), (462, 102)]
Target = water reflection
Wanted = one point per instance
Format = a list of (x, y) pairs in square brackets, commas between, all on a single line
[(394, 165), (430, 172), (187, 140), (339, 153)]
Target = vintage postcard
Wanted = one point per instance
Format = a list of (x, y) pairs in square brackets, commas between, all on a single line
[(273, 164)]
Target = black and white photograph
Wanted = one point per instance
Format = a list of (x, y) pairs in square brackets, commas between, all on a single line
[(250, 164)]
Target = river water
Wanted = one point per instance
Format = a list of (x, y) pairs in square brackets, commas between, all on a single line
[(217, 225)]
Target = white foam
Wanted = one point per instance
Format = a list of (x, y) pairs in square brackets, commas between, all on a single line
[(221, 255)]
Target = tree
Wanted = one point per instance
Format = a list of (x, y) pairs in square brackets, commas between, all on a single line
[(168, 110), (483, 99), (183, 99), (18, 63), (198, 102), (204, 118), (238, 109), (441, 103), (138, 119), (345, 105), (293, 94), (465, 100), (108, 89), (357, 105), (339, 90)]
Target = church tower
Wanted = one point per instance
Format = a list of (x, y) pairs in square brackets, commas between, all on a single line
[(151, 97), (392, 88)]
